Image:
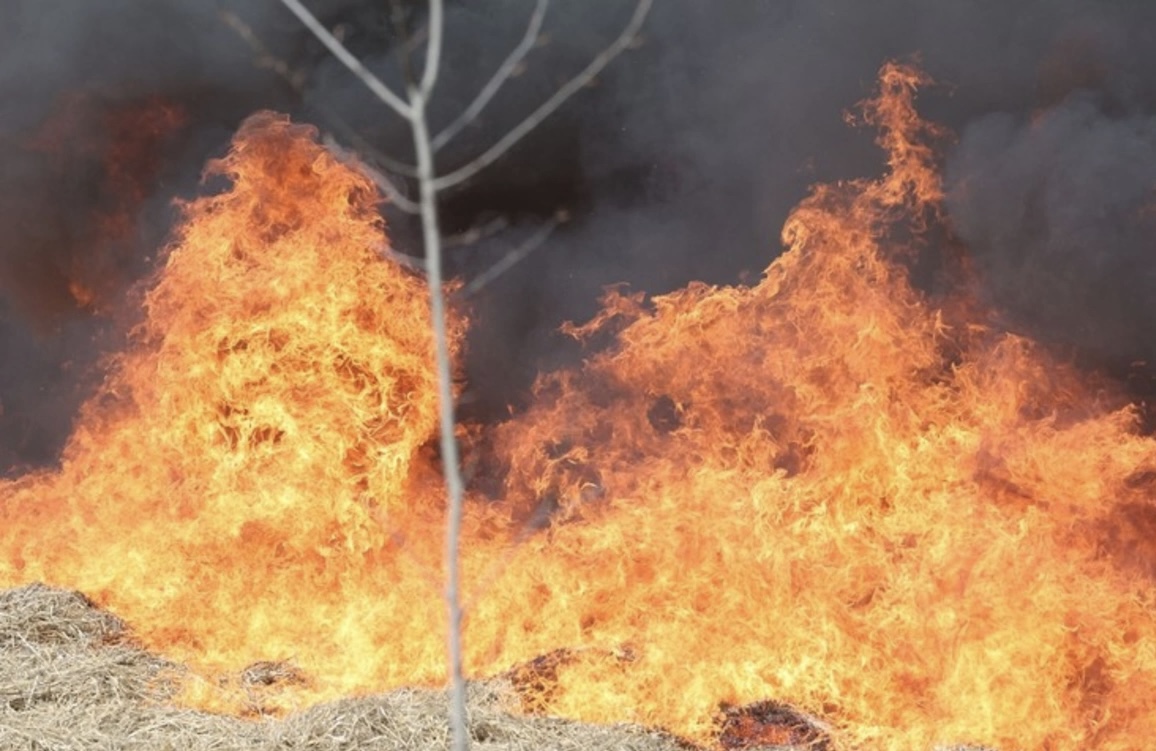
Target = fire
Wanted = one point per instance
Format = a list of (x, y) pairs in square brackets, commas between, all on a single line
[(262, 437), (826, 489)]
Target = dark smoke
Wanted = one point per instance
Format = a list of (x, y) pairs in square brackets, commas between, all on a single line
[(1058, 204), (91, 161), (1061, 214), (680, 164)]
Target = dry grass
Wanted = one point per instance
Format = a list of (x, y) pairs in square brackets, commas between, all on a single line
[(72, 680)]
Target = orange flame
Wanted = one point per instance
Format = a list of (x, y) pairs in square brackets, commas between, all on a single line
[(824, 489), (265, 427), (821, 490)]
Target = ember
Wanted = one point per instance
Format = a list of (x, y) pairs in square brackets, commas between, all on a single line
[(768, 723)]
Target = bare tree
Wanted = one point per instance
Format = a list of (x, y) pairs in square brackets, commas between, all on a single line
[(413, 108)]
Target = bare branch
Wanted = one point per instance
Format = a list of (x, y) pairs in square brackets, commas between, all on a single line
[(372, 82), (433, 48), (365, 150), (476, 233), (410, 41), (504, 73), (508, 261), (548, 107), (406, 42), (266, 59), (412, 263), (391, 191)]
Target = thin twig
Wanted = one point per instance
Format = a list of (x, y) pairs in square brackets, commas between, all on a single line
[(365, 150), (461, 240), (407, 42), (476, 233), (394, 193), (433, 49), (548, 107), (413, 41), (503, 74), (265, 56), (372, 82), (413, 263), (510, 259), (296, 80)]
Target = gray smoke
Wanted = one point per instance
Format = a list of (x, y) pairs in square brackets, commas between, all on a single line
[(680, 164), (1061, 214), (1058, 204)]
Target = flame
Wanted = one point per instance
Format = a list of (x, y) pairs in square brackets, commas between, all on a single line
[(266, 426), (826, 489)]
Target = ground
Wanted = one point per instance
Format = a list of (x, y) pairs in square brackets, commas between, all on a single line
[(71, 679)]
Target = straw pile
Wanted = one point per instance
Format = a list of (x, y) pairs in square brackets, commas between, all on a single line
[(71, 679)]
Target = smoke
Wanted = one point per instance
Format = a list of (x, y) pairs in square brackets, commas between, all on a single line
[(110, 110), (680, 164), (1058, 204), (1061, 214)]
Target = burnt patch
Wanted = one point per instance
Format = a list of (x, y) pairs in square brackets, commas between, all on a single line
[(769, 724)]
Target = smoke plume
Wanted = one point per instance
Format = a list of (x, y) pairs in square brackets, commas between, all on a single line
[(680, 164)]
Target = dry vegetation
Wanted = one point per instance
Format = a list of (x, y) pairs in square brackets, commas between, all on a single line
[(71, 679)]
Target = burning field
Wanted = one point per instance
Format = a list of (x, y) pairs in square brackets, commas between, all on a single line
[(827, 500)]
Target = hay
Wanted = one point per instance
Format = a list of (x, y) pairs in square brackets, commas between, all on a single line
[(71, 679)]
